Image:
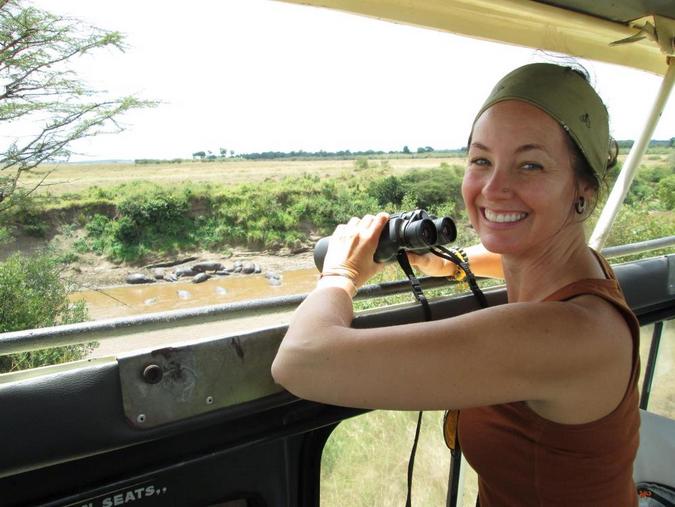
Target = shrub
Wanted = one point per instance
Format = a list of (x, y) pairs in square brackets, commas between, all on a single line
[(638, 222), (387, 190), (361, 164), (32, 295), (666, 191)]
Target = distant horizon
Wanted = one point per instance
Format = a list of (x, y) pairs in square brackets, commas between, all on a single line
[(299, 153)]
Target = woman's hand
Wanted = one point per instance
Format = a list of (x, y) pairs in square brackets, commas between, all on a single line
[(351, 249), (432, 265)]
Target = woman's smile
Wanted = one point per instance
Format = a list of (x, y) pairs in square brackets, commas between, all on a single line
[(503, 217)]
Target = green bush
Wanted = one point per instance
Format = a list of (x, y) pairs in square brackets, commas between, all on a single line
[(423, 188), (32, 295), (666, 192), (638, 222), (361, 164), (387, 190)]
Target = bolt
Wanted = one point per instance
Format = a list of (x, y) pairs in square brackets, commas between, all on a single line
[(209, 400), (140, 418), (152, 373)]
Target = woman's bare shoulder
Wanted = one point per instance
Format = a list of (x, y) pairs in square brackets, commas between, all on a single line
[(605, 361)]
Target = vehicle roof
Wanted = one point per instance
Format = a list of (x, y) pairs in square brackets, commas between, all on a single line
[(622, 11), (635, 33)]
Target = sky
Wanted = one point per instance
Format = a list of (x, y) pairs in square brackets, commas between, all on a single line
[(259, 75)]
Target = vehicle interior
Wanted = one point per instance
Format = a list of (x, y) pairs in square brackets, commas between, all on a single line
[(202, 423)]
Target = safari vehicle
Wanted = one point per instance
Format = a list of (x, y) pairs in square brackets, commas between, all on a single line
[(202, 423)]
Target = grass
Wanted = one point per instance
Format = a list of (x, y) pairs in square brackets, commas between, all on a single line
[(365, 461), (76, 178)]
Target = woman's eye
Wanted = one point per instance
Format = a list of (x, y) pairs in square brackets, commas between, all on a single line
[(479, 161), (532, 166)]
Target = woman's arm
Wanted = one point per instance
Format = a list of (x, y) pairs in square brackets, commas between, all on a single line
[(543, 352), (481, 261), (578, 351)]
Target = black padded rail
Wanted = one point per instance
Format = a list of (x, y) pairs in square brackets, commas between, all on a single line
[(65, 433)]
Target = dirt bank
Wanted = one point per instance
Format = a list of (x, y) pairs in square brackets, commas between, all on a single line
[(91, 271)]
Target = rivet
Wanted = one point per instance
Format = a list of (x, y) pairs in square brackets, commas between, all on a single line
[(152, 373), (209, 400), (140, 418)]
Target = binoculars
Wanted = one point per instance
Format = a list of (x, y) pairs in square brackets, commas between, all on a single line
[(414, 231)]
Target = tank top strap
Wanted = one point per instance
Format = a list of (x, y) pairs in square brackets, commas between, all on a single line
[(609, 290)]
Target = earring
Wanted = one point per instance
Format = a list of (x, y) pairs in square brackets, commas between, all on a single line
[(580, 205)]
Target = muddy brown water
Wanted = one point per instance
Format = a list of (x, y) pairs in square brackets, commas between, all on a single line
[(162, 296)]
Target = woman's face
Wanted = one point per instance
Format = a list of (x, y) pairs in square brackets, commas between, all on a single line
[(519, 186)]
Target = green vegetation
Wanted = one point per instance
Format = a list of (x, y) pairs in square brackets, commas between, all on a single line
[(136, 221), (32, 295), (145, 219), (40, 89)]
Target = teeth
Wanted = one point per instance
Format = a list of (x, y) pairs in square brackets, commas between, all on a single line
[(503, 217)]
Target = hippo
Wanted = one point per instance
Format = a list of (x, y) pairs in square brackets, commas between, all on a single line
[(185, 272), (273, 278), (247, 268), (201, 267), (237, 267), (137, 278), (158, 273), (274, 282), (201, 277), (222, 272), (271, 275)]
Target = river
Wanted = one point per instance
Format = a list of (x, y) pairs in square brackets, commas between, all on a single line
[(128, 300)]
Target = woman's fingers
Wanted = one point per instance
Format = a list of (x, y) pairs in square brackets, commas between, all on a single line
[(353, 245), (367, 220), (354, 221)]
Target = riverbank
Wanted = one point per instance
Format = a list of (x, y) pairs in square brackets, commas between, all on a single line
[(89, 271)]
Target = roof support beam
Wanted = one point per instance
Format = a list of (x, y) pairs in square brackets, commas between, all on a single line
[(630, 166), (521, 22)]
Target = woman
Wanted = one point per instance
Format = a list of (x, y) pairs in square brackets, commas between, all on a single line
[(546, 385)]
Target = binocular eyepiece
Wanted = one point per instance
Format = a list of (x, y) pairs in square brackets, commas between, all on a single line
[(414, 231)]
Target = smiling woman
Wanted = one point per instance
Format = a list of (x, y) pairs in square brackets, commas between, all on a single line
[(549, 380)]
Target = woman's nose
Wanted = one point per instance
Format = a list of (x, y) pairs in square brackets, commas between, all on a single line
[(497, 185)]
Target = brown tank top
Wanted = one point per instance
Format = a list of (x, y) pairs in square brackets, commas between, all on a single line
[(523, 459)]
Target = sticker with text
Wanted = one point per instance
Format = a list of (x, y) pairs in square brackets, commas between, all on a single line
[(146, 494)]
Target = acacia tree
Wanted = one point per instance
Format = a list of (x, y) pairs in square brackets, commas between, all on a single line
[(38, 88)]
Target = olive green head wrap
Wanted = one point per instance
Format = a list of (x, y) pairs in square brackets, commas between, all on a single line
[(568, 98)]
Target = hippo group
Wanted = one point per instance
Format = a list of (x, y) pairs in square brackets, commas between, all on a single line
[(199, 272)]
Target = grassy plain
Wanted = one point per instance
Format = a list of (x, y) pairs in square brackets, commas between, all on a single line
[(76, 177), (72, 178)]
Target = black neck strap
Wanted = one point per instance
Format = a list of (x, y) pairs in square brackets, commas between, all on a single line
[(463, 264), (402, 258)]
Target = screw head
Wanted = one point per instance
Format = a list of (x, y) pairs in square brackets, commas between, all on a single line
[(209, 400), (140, 419), (152, 373)]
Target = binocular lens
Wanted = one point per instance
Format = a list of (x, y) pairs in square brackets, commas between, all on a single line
[(447, 232), (419, 234)]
